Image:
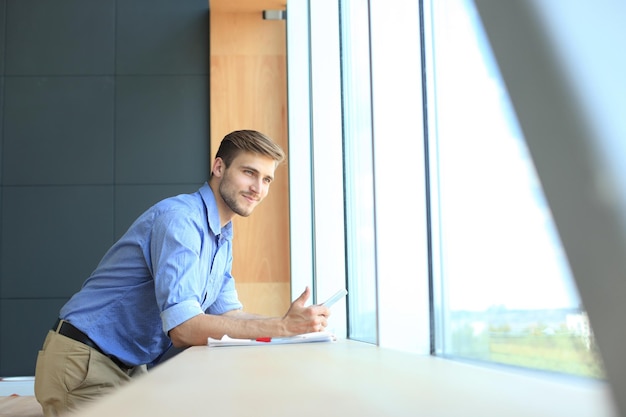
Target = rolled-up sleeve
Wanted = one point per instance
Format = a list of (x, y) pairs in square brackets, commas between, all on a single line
[(179, 313), (175, 247)]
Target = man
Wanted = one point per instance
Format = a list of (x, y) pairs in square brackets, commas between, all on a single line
[(167, 281)]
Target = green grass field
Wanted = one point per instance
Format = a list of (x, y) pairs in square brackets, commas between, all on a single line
[(559, 352)]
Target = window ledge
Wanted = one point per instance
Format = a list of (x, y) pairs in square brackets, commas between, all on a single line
[(345, 378)]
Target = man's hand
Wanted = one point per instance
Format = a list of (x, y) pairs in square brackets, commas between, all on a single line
[(300, 319)]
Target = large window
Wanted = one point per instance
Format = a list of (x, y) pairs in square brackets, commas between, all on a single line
[(505, 291), (417, 189)]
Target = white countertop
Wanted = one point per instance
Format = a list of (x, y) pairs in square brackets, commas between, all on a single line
[(344, 378)]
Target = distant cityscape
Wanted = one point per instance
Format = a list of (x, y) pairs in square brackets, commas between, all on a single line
[(499, 319)]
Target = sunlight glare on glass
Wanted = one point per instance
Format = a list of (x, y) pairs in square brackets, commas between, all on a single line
[(507, 292), (486, 170)]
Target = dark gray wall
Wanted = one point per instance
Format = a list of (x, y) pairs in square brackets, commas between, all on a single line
[(103, 111)]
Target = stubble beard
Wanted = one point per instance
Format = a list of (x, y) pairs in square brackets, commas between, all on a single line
[(230, 198)]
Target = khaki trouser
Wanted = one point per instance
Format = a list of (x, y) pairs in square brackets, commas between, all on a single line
[(70, 374)]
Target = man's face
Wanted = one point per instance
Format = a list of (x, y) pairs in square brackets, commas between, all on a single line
[(246, 182)]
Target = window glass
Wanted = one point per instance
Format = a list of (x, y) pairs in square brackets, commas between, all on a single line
[(504, 290), (359, 181)]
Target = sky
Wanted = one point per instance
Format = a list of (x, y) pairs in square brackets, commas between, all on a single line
[(498, 241)]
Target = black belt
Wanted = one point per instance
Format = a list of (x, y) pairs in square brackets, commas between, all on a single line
[(68, 330)]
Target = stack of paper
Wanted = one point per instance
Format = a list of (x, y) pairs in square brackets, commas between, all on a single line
[(301, 338)]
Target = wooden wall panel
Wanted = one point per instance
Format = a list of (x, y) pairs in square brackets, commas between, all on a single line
[(249, 91)]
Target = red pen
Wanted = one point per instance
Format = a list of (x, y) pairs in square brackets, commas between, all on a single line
[(264, 339)]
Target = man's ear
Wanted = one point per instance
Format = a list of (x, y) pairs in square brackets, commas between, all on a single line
[(218, 167)]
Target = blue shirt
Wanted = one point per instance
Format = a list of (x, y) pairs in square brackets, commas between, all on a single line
[(173, 263)]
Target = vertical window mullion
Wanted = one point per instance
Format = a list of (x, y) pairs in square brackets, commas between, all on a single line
[(300, 157), (400, 182)]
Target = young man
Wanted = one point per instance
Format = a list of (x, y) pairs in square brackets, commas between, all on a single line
[(167, 281)]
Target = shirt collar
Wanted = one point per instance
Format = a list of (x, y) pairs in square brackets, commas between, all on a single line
[(213, 215)]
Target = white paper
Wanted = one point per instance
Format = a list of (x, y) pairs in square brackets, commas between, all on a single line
[(301, 338)]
